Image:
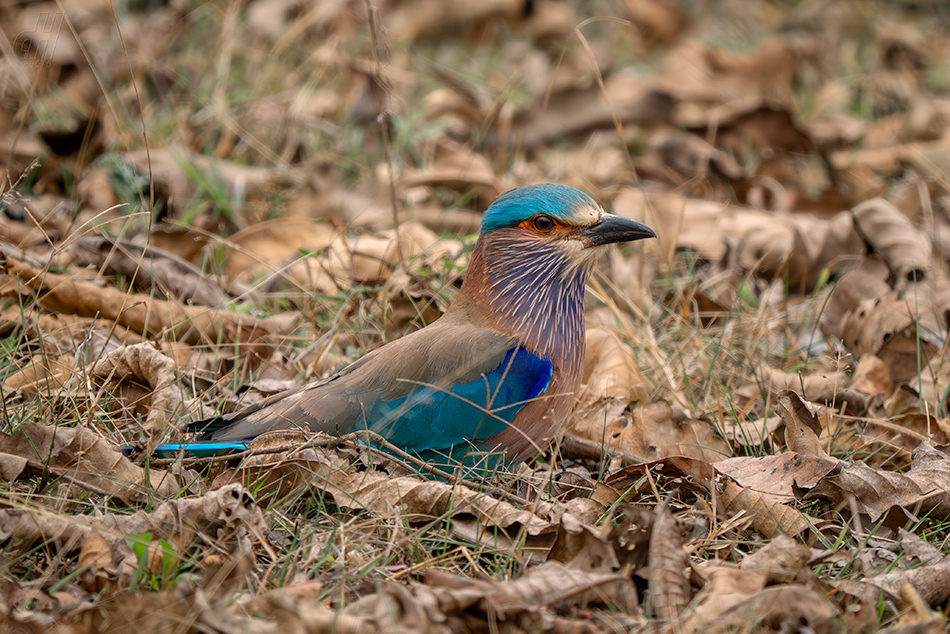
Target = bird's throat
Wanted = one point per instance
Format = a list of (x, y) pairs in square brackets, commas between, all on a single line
[(534, 292)]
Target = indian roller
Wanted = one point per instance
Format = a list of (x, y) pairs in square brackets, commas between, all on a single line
[(496, 374)]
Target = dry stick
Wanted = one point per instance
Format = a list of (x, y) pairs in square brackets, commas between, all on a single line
[(385, 449), (380, 88), (575, 447)]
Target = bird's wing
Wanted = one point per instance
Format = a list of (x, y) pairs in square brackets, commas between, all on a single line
[(434, 417), (431, 389)]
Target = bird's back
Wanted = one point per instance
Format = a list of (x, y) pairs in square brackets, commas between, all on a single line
[(412, 391)]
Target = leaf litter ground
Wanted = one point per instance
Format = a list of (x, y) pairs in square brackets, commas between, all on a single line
[(204, 205)]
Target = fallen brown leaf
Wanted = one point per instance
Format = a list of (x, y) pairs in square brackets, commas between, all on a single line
[(669, 561), (59, 293), (83, 457), (922, 491)]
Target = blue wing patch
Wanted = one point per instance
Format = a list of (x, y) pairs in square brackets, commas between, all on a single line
[(433, 418)]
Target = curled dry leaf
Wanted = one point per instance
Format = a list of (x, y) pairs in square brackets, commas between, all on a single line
[(829, 387), (582, 545), (266, 246), (143, 362), (767, 243), (267, 602), (799, 248), (895, 567), (544, 585), (226, 514), (931, 581), (776, 608), (782, 560), (871, 377), (801, 425), (475, 516), (83, 457), (769, 517), (777, 475), (669, 563), (906, 249), (924, 490), (650, 430), (370, 258), (60, 334), (95, 556), (44, 374), (917, 615), (138, 312), (734, 598), (723, 586), (867, 280), (888, 328)]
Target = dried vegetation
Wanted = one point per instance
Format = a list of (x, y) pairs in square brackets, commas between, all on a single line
[(205, 204)]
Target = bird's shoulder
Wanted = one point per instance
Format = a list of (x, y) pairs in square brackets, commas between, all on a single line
[(444, 353)]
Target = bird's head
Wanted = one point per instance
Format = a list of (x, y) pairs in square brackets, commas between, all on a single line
[(550, 215), (530, 267)]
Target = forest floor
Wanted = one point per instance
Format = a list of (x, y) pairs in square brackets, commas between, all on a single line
[(204, 204)]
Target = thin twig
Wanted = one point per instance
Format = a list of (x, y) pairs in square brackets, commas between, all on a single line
[(574, 447), (381, 89)]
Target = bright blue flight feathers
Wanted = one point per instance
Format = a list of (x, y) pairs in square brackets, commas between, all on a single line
[(429, 420)]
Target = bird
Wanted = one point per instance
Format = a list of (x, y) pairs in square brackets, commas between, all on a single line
[(495, 375)]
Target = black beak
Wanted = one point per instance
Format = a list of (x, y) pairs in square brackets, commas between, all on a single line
[(615, 229)]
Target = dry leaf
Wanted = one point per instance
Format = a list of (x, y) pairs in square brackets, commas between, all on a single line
[(801, 425), (225, 514), (84, 458), (610, 369), (905, 249), (139, 313), (782, 560), (475, 517), (922, 491), (265, 246), (776, 476), (669, 561), (769, 517), (149, 267), (143, 362)]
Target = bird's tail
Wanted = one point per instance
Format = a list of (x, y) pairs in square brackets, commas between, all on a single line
[(208, 426), (198, 449), (203, 446)]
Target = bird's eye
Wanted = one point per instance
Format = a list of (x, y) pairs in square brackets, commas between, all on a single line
[(543, 223)]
